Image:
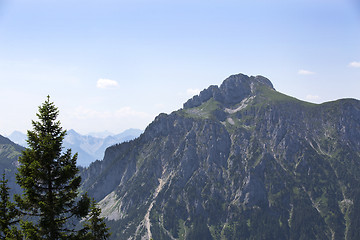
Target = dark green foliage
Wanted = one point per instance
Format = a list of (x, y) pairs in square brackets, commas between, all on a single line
[(95, 226), (236, 231), (171, 218), (199, 230), (157, 230), (9, 215), (306, 222), (354, 228), (49, 179)]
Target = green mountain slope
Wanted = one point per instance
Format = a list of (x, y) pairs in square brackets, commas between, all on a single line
[(9, 154), (239, 161)]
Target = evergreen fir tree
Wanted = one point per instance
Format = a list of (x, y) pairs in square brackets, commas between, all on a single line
[(95, 226), (9, 215), (49, 179)]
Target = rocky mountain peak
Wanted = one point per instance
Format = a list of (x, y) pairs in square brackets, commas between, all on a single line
[(240, 161), (233, 90)]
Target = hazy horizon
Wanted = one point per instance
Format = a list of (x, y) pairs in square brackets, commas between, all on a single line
[(100, 134), (113, 65)]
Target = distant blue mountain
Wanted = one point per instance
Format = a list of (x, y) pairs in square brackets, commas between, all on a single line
[(89, 147), (18, 138)]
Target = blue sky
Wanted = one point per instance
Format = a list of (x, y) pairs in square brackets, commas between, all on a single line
[(112, 65)]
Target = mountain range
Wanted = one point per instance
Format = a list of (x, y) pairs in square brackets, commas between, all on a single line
[(89, 147), (238, 161)]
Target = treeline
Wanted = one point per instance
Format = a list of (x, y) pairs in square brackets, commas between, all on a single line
[(50, 206)]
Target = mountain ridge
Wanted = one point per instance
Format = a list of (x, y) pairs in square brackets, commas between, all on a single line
[(239, 161), (9, 154)]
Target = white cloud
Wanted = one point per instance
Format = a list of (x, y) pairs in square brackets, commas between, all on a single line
[(305, 72), (192, 91), (354, 64), (106, 83), (312, 97)]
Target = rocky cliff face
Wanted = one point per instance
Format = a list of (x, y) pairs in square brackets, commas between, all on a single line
[(239, 161)]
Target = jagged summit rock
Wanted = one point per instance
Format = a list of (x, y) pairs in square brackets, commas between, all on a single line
[(233, 90)]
